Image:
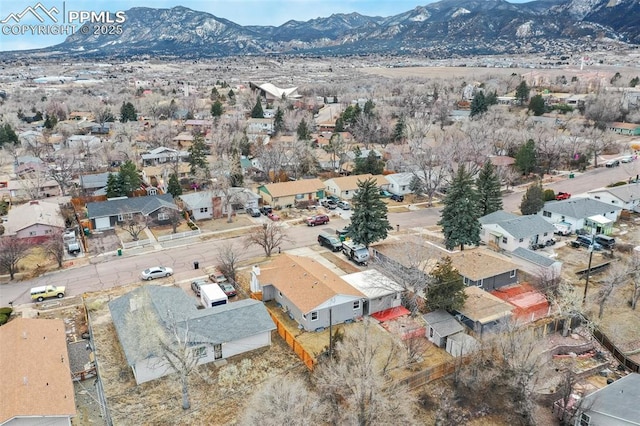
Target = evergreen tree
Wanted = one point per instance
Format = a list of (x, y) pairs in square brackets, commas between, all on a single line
[(236, 178), (368, 108), (491, 98), (113, 188), (214, 94), (339, 125), (128, 178), (446, 291), (257, 111), (533, 199), (50, 122), (526, 159), (488, 186), (216, 109), (369, 221), (460, 214), (522, 92), (399, 130), (198, 156), (303, 132), (536, 105), (7, 135), (634, 82), (369, 164), (232, 97), (417, 186), (278, 120), (128, 112), (174, 187), (478, 104)]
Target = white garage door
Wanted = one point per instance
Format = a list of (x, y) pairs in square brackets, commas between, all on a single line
[(102, 223)]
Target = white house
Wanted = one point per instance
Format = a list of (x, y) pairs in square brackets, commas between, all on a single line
[(508, 231), (213, 334), (346, 186), (582, 213), (626, 197), (400, 183), (260, 125), (213, 204), (381, 292)]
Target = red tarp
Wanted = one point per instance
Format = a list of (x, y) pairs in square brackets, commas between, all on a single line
[(530, 304), (391, 313)]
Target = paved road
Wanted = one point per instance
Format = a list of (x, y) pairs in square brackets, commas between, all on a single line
[(108, 271)]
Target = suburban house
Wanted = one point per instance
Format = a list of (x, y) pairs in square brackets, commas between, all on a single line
[(506, 231), (158, 176), (163, 155), (483, 312), (260, 125), (213, 334), (346, 186), (626, 197), (88, 143), (284, 194), (37, 388), (408, 260), (582, 213), (536, 264), (212, 204), (440, 326), (197, 125), (273, 93), (106, 214), (629, 129), (381, 292), (481, 268), (29, 187), (400, 183), (614, 405), (36, 219), (310, 292), (94, 184)]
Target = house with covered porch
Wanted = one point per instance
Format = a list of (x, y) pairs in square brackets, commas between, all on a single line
[(582, 213), (283, 194)]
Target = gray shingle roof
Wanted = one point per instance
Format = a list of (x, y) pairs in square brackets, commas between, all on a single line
[(220, 324), (626, 193), (579, 208), (618, 401), (496, 217), (526, 226), (144, 205), (98, 180), (443, 322), (533, 257)]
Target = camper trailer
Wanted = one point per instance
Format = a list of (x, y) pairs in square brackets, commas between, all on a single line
[(212, 295)]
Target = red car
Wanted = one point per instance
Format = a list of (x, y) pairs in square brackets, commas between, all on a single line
[(563, 196), (274, 217), (319, 219)]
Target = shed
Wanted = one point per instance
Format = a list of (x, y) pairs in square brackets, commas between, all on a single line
[(483, 312), (461, 344), (381, 292), (440, 326)]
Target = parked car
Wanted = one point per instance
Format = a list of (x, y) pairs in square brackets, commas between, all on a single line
[(396, 197), (342, 233), (156, 272), (196, 284), (253, 212), (612, 163), (274, 217), (228, 289), (46, 292), (319, 219), (217, 276), (330, 241), (586, 241), (626, 159), (74, 248), (333, 198), (265, 210), (344, 205), (563, 196), (384, 193), (329, 204), (606, 241)]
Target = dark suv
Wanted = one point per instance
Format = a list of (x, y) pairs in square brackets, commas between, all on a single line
[(396, 197), (330, 241), (265, 210)]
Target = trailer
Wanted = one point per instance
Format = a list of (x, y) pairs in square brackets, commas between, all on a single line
[(355, 251), (212, 295)]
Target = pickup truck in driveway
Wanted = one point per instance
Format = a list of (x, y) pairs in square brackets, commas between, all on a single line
[(563, 196)]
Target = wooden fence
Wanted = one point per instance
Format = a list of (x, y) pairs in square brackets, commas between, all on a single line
[(299, 350), (429, 374), (617, 353)]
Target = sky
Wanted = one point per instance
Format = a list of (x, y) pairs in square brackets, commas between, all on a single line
[(21, 33)]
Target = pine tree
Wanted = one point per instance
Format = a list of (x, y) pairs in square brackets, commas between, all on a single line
[(460, 214), (369, 222), (216, 109), (214, 94), (128, 112), (447, 289), (533, 199), (7, 135), (369, 164), (278, 120), (399, 130), (303, 132), (198, 156), (526, 159), (113, 188), (536, 105), (257, 111), (368, 108), (174, 187), (488, 186), (339, 125), (522, 92), (478, 104), (128, 178)]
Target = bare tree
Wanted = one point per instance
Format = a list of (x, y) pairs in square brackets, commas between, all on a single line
[(634, 272), (284, 402), (134, 224), (596, 142), (12, 251), (54, 247), (567, 303), (355, 384), (229, 257), (62, 170), (271, 157), (269, 236), (614, 278)]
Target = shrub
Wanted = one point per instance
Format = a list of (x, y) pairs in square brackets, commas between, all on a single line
[(3, 319), (549, 195), (6, 310), (613, 185)]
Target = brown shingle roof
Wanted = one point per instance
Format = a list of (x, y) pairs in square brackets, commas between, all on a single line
[(304, 281), (296, 187), (34, 366), (479, 264), (351, 182), (484, 307)]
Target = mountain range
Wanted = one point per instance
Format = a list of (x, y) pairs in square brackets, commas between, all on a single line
[(438, 30)]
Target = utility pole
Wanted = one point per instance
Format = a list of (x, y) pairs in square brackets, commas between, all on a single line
[(586, 284), (330, 336)]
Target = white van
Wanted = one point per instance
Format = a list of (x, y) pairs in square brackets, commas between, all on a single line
[(212, 295)]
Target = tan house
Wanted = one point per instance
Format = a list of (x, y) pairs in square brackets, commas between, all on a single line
[(482, 268), (483, 312), (283, 194), (345, 186), (36, 374), (35, 219)]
